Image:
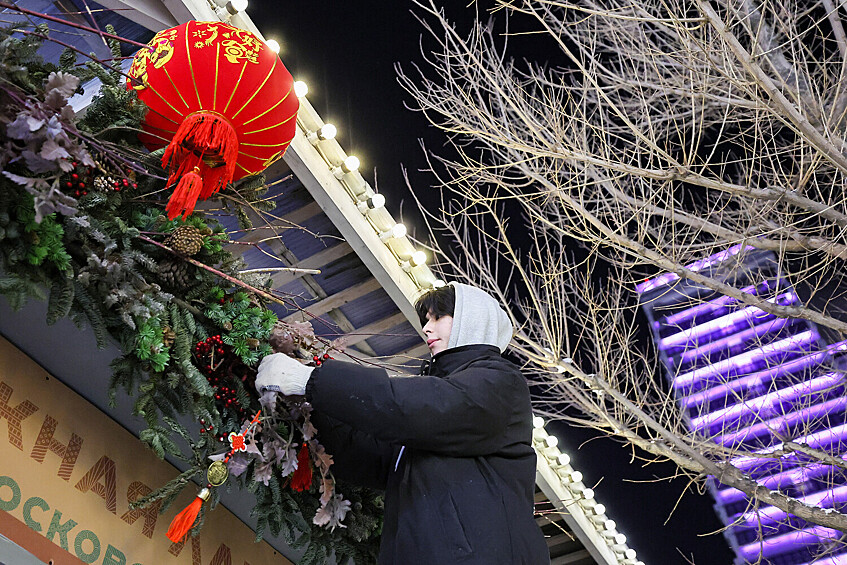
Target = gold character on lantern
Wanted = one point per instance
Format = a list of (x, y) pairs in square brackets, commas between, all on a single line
[(158, 53), (206, 36), (241, 46)]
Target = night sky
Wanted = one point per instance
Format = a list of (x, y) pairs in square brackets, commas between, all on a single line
[(346, 52)]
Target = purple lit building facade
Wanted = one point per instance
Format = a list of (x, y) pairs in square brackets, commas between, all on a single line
[(746, 379)]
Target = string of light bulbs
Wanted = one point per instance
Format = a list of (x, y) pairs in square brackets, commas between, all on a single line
[(345, 168), (546, 446)]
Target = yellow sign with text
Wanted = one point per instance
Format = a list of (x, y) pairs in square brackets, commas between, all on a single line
[(68, 473)]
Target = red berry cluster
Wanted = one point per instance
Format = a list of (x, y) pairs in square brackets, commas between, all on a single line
[(78, 181), (318, 359), (215, 360), (210, 353), (120, 184), (81, 179), (206, 427)]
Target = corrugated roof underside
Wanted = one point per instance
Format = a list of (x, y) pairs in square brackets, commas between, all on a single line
[(310, 234)]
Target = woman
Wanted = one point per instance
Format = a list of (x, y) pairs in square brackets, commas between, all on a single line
[(451, 447)]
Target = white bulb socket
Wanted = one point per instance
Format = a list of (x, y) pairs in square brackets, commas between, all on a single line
[(324, 133), (372, 203), (574, 477), (301, 89), (396, 232), (350, 164), (563, 459)]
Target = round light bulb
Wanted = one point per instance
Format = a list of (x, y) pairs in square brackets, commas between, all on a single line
[(599, 510), (238, 5), (537, 422), (394, 232), (300, 88), (398, 231), (588, 494), (376, 201), (371, 204), (563, 459), (351, 164), (576, 476), (418, 258), (440, 284), (620, 539), (551, 441), (609, 525), (273, 45), (629, 553), (327, 131)]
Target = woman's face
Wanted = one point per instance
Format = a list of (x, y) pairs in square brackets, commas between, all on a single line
[(437, 332)]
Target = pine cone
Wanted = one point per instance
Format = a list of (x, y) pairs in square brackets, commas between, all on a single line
[(103, 183), (175, 273), (186, 240)]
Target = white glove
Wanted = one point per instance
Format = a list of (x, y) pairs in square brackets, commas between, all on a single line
[(281, 373)]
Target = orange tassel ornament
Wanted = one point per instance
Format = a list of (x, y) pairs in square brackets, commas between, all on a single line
[(216, 475), (183, 522)]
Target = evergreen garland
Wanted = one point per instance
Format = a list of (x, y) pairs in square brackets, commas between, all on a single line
[(80, 226)]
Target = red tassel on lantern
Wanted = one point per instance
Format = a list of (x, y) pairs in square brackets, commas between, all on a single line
[(185, 194), (302, 478), (183, 522), (205, 146)]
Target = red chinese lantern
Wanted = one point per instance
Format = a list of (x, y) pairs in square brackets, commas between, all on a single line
[(219, 99)]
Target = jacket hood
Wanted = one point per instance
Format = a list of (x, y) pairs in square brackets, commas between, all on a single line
[(478, 319)]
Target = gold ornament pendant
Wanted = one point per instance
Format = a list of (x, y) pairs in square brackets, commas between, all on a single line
[(217, 473)]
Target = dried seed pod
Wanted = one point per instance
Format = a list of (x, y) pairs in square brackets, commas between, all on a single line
[(168, 336), (281, 340)]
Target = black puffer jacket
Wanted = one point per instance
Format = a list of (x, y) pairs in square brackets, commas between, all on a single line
[(451, 449)]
